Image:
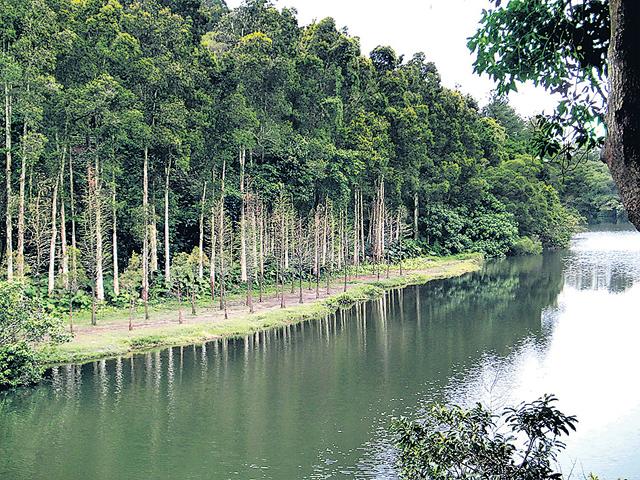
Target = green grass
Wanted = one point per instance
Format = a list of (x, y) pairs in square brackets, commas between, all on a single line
[(105, 344)]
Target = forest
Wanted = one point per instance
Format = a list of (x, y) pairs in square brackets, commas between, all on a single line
[(158, 148)]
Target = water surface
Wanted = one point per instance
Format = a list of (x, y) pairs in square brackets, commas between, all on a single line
[(315, 400)]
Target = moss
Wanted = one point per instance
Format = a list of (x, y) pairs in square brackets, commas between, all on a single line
[(105, 344)]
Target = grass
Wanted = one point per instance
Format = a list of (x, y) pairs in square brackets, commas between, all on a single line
[(112, 343)]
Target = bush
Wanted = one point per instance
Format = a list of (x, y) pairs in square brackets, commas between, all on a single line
[(526, 246), (453, 443), (18, 366), (24, 324)]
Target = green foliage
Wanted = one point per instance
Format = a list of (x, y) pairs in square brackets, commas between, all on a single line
[(19, 365), (527, 246), (453, 443), (455, 230), (534, 203), (24, 324), (560, 45)]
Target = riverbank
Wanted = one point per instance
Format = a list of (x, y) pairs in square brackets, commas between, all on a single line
[(111, 337)]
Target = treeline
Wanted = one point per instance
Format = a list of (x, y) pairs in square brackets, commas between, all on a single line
[(154, 145)]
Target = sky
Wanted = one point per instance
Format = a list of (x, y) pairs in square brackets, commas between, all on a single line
[(439, 28)]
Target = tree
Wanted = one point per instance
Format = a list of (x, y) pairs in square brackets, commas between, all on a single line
[(454, 443), (571, 48)]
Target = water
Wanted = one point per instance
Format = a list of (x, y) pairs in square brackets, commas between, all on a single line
[(314, 401)]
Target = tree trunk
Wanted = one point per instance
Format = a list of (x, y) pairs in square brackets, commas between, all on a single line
[(261, 252), (153, 240), (74, 247), (221, 236), (94, 321), (212, 252), (64, 254), (8, 224), (415, 216), (98, 233), (243, 240), (622, 148), (132, 311), (21, 207), (114, 240), (145, 230), (167, 254), (356, 231), (52, 242), (201, 234), (317, 252)]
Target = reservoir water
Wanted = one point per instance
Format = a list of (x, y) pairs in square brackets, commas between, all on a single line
[(315, 400)]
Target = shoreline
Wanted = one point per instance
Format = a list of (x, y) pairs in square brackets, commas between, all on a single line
[(111, 340)]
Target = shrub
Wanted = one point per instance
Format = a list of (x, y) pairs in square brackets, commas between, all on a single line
[(526, 246), (19, 365), (24, 323), (453, 443)]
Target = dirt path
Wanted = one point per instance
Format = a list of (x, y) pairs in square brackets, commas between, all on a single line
[(237, 308)]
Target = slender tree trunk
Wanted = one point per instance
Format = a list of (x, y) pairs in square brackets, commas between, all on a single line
[(63, 232), (622, 148), (70, 314), (300, 259), (51, 284), (254, 237), (167, 253), (21, 206), (250, 292), (145, 230), (283, 250), (98, 233), (221, 237), (74, 245), (416, 213), (114, 240), (8, 224), (153, 239), (180, 317), (343, 247), (201, 234), (132, 312), (261, 251), (212, 252), (243, 240), (356, 232), (317, 253), (94, 321)]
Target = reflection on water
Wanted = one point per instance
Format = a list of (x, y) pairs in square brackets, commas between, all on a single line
[(315, 400)]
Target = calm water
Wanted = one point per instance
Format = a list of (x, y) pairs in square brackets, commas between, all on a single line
[(314, 401)]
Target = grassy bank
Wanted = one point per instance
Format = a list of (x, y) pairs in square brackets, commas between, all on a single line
[(111, 340)]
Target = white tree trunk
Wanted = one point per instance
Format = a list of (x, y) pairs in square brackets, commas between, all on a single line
[(21, 208), (8, 224), (145, 230), (98, 233), (212, 252), (201, 238), (243, 233), (153, 240), (114, 229), (52, 242), (167, 253), (74, 245), (64, 253)]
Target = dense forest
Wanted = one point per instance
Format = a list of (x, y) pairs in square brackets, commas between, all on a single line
[(151, 145)]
